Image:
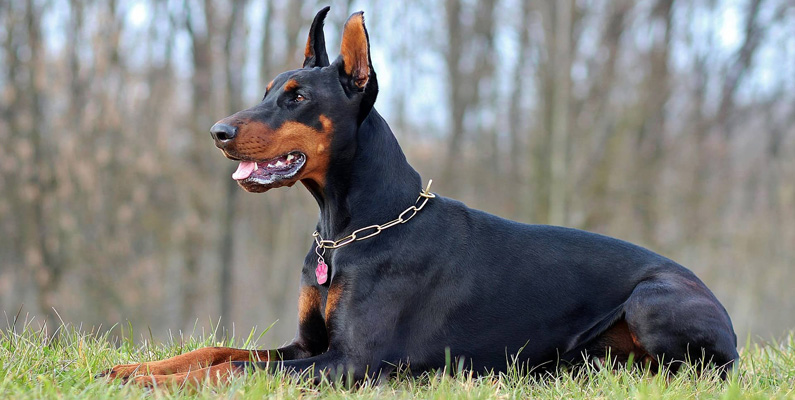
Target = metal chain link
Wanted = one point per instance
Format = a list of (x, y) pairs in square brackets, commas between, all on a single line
[(404, 217)]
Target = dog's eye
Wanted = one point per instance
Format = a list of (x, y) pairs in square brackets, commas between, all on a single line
[(299, 98)]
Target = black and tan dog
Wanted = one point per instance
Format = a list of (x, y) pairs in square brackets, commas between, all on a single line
[(397, 275)]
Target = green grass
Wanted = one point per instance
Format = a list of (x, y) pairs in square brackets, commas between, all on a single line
[(33, 366)]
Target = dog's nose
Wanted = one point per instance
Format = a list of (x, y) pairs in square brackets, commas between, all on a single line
[(223, 132)]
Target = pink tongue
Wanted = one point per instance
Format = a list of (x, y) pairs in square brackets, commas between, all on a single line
[(244, 170)]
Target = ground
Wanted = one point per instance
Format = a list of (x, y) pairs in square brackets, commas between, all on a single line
[(36, 367)]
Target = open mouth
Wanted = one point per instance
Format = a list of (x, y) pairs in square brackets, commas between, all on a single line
[(270, 171)]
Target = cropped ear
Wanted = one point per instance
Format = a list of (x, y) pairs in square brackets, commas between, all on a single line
[(355, 51), (315, 52)]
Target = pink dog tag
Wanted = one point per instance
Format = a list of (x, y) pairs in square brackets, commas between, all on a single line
[(321, 272)]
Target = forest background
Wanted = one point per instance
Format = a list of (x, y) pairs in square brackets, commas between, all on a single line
[(667, 123)]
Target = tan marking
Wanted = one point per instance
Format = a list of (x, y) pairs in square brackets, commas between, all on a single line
[(634, 338), (308, 303), (256, 140), (270, 85), (291, 85), (193, 380), (620, 341), (308, 52), (333, 300), (326, 123), (193, 360), (354, 50)]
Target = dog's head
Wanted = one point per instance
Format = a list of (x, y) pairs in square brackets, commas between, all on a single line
[(292, 134)]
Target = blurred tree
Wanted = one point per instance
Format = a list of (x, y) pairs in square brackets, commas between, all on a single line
[(667, 123), (469, 60)]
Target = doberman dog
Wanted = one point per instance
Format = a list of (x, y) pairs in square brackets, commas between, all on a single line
[(399, 276)]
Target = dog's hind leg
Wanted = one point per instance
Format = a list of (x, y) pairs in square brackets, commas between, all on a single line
[(675, 318)]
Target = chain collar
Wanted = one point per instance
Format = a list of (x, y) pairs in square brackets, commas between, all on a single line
[(374, 230)]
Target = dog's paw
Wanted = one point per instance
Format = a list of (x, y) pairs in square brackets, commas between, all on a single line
[(123, 372), (215, 375), (157, 381)]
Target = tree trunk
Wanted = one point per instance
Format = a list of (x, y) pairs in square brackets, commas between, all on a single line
[(560, 115), (234, 89), (652, 130)]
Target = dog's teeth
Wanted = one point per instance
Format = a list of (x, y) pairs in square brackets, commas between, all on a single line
[(290, 157), (279, 163), (270, 165), (256, 167)]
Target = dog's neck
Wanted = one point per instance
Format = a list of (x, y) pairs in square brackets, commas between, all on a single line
[(372, 188)]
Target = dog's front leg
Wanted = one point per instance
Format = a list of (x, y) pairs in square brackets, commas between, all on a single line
[(312, 339), (201, 359), (332, 365), (360, 334)]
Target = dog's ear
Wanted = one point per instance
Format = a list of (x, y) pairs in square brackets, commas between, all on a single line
[(356, 66), (315, 52), (355, 52)]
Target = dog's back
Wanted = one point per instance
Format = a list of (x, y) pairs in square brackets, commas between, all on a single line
[(484, 287)]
